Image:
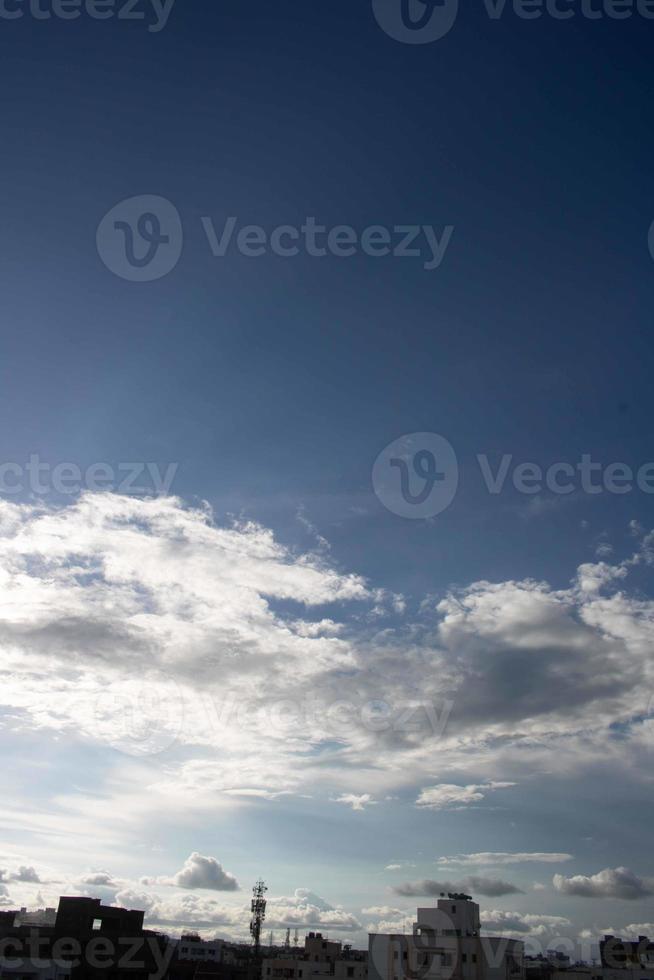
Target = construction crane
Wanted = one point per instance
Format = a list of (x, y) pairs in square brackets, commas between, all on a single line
[(258, 914)]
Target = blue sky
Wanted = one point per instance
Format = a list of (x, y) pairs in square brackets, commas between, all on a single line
[(270, 386)]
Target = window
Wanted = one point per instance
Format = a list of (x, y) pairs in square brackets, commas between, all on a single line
[(350, 971), (97, 924), (474, 957)]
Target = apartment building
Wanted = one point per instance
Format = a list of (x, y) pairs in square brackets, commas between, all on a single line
[(445, 944), (319, 957)]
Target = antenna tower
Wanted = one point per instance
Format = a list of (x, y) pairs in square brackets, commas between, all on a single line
[(258, 914)]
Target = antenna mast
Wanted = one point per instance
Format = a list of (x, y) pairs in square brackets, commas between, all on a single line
[(258, 914)]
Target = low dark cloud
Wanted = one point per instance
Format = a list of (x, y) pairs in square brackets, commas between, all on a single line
[(26, 874), (478, 885), (609, 883)]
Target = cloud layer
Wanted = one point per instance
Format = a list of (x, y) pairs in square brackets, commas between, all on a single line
[(476, 884), (211, 668), (609, 883)]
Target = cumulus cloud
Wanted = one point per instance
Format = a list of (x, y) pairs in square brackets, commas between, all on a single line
[(519, 924), (448, 795), (506, 857), (21, 874), (26, 874), (204, 872), (186, 912), (306, 909), (99, 878), (492, 887), (303, 909), (634, 929), (609, 883)]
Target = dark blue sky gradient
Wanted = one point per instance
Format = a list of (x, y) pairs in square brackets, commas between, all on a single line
[(275, 383)]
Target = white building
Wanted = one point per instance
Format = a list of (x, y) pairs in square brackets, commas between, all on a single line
[(445, 944)]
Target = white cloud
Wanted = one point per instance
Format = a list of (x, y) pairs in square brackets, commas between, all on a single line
[(173, 626), (636, 929), (357, 802), (522, 924), (609, 883), (506, 857), (203, 872), (178, 913), (446, 795), (305, 909)]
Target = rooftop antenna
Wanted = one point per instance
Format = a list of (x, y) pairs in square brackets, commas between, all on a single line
[(270, 939), (287, 941), (258, 914), (295, 938)]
